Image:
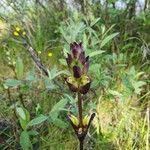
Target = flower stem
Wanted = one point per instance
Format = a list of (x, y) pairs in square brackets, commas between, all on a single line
[(81, 144), (80, 108)]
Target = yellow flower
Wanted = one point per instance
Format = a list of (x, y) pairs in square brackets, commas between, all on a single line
[(16, 33), (18, 29), (50, 54), (14, 62), (23, 33), (8, 53), (39, 52)]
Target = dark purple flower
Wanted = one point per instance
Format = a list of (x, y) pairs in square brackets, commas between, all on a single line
[(84, 89), (77, 71), (82, 58)]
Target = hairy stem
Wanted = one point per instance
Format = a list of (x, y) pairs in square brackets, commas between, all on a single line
[(14, 114), (81, 144), (80, 108)]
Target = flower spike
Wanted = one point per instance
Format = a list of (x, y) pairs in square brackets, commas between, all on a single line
[(79, 82)]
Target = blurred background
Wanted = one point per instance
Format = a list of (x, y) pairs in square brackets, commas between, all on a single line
[(33, 106)]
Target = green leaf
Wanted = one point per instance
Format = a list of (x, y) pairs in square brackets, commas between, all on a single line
[(31, 75), (24, 117), (59, 123), (23, 123), (63, 62), (127, 83), (139, 74), (37, 120), (107, 39), (19, 68), (139, 84), (61, 104), (21, 113), (49, 84), (53, 73), (115, 93), (71, 99), (104, 32), (24, 140), (57, 107), (33, 133), (12, 82), (95, 53), (95, 21), (103, 28)]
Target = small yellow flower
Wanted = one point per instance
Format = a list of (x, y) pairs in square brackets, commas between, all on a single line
[(14, 62), (39, 52), (16, 33), (50, 54), (8, 53), (18, 29), (23, 33)]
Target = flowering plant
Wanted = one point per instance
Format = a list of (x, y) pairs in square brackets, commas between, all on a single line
[(79, 82)]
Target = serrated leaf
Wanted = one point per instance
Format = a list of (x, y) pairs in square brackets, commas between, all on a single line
[(19, 68), (38, 120), (24, 140), (107, 39)]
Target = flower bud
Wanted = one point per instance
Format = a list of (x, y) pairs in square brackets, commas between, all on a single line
[(76, 49)]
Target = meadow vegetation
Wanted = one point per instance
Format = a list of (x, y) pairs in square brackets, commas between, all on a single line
[(35, 37)]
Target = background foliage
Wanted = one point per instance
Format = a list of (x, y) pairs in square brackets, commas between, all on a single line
[(33, 107)]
